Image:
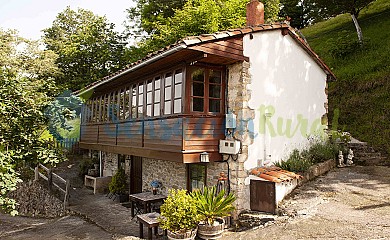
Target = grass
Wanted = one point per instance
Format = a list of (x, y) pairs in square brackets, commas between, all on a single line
[(362, 89)]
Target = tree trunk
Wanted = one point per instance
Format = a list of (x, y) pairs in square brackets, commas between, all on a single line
[(358, 29)]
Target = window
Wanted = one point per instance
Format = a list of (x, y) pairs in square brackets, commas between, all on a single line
[(140, 110), (168, 94), (196, 176), (206, 90), (149, 98), (126, 103), (134, 102), (157, 96), (177, 102)]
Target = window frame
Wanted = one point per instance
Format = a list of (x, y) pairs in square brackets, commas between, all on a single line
[(188, 171)]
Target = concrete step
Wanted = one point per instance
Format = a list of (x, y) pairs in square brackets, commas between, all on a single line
[(367, 154), (367, 161)]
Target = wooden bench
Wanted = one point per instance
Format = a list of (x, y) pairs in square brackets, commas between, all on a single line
[(151, 221)]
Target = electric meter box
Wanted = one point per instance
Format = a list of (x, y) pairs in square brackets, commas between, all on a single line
[(229, 146), (231, 120)]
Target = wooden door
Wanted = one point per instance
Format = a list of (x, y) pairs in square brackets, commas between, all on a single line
[(136, 174), (262, 196)]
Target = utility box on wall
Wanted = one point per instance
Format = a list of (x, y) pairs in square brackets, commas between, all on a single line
[(229, 146)]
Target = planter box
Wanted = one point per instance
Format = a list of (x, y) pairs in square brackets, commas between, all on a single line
[(99, 184)]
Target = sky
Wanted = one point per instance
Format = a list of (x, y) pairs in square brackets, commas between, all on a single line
[(29, 17)]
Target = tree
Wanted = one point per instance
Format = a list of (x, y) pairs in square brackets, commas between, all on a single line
[(193, 18), (87, 46), (353, 7), (26, 87), (301, 12)]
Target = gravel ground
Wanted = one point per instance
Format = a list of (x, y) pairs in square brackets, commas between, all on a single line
[(346, 203)]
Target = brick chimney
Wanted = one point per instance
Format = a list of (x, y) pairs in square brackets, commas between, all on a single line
[(254, 13)]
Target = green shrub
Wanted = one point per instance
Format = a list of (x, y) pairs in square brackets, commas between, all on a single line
[(118, 182), (321, 151), (295, 162), (84, 165), (179, 212)]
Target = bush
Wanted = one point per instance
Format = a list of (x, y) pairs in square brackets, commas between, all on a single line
[(321, 151), (118, 182), (295, 162), (84, 165), (179, 212)]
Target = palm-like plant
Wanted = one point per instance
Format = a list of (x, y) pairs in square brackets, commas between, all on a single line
[(212, 205)]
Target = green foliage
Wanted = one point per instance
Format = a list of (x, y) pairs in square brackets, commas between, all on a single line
[(295, 162), (87, 46), (301, 12), (179, 212), (84, 165), (192, 17), (318, 151), (361, 92), (26, 88), (212, 205), (8, 180), (118, 182), (343, 46)]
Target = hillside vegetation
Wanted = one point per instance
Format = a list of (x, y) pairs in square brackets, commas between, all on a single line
[(361, 92)]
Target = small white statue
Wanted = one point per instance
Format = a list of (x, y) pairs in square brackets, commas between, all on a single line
[(349, 157), (341, 159)]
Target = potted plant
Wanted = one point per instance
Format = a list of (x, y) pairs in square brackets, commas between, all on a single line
[(212, 206), (179, 215), (155, 184), (117, 185)]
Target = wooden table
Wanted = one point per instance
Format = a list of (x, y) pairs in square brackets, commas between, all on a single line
[(146, 199), (151, 221)]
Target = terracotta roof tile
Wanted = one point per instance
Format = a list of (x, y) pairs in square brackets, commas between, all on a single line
[(274, 174)]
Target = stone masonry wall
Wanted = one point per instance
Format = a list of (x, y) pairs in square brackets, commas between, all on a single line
[(170, 174), (110, 163), (238, 97)]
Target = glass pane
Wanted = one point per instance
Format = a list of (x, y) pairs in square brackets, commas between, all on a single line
[(168, 79), (177, 106), (198, 75), (197, 104), (140, 99), (149, 110), (140, 111), (168, 93), (149, 96), (178, 76), (167, 107), (197, 176), (178, 91), (134, 100), (157, 109), (157, 96), (133, 112), (149, 85), (215, 105), (140, 88), (157, 83), (215, 91), (198, 89), (215, 76)]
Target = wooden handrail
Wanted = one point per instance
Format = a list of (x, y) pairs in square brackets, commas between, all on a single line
[(49, 179)]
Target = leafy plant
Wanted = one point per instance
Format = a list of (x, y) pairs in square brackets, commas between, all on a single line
[(84, 165), (179, 212), (212, 205), (295, 162), (118, 182), (320, 151)]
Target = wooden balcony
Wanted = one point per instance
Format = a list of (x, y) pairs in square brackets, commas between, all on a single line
[(179, 139)]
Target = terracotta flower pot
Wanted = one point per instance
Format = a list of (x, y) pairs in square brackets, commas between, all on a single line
[(189, 235)]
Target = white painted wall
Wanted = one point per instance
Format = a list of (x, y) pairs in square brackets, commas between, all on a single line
[(290, 85)]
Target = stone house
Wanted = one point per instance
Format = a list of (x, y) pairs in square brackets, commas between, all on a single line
[(160, 115)]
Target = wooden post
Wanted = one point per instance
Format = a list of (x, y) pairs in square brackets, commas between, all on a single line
[(36, 172), (67, 190), (49, 178)]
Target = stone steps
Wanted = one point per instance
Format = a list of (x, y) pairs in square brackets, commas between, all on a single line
[(366, 155)]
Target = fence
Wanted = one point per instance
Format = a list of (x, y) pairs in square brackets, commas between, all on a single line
[(51, 178), (70, 144)]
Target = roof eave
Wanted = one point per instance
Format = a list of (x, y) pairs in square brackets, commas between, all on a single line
[(134, 68)]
